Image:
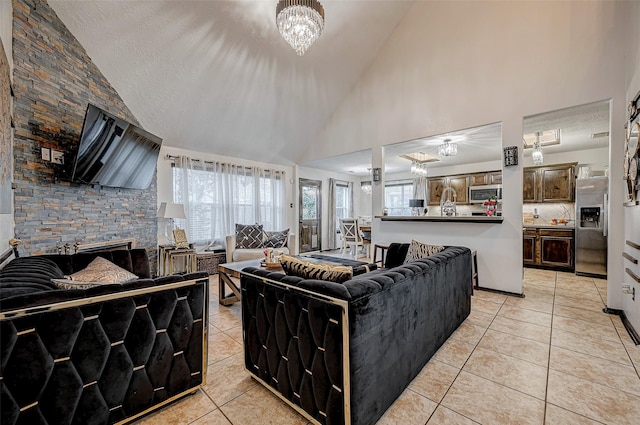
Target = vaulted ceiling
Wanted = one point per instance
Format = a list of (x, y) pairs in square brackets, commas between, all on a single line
[(216, 76)]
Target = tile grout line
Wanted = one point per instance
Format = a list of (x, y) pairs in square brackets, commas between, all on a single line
[(546, 389), (460, 370)]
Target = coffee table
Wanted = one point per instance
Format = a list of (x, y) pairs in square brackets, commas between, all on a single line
[(226, 272)]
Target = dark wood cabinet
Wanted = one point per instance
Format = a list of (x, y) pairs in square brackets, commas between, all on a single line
[(529, 246), (461, 186), (530, 185), (481, 179), (554, 183), (548, 248), (436, 185)]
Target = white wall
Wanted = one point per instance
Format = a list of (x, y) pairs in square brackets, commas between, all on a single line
[(597, 159), (165, 178), (6, 25), (632, 214), (452, 65), (324, 176)]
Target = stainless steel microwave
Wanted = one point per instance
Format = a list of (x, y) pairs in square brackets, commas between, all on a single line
[(479, 194)]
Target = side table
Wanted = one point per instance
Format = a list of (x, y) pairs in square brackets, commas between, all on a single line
[(167, 256), (208, 261), (383, 252)]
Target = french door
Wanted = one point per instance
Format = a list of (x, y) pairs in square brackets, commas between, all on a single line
[(310, 215)]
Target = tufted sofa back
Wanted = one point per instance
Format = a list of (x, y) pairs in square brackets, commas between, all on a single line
[(386, 323)]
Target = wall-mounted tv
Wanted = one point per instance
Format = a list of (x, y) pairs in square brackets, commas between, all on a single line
[(113, 152)]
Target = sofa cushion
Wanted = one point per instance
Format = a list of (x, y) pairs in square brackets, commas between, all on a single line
[(419, 250), (101, 270), (249, 236), (252, 254), (293, 266), (74, 284), (276, 239)]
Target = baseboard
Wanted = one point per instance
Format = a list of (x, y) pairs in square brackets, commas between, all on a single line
[(498, 291), (627, 324)]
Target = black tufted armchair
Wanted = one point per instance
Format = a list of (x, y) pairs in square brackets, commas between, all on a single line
[(99, 356), (343, 353)]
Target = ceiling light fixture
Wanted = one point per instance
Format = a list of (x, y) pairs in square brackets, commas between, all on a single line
[(419, 169), (448, 148), (365, 186), (537, 150), (300, 22)]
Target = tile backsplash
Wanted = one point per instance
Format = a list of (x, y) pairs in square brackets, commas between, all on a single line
[(547, 212)]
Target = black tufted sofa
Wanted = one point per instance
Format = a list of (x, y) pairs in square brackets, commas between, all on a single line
[(103, 355), (343, 353)]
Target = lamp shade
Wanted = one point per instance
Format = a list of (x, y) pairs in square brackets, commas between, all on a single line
[(171, 210)]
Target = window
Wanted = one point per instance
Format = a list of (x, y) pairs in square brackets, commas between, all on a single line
[(217, 196), (342, 202), (396, 197)]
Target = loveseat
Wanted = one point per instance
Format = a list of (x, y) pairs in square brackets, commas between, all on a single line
[(242, 254), (102, 355), (343, 353)]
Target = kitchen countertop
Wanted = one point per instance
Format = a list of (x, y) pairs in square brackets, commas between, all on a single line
[(549, 226), (435, 218)]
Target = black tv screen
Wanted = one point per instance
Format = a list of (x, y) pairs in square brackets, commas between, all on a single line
[(113, 152)]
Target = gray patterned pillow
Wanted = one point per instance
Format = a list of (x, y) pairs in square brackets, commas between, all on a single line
[(421, 250), (276, 239), (293, 266), (103, 271), (249, 236)]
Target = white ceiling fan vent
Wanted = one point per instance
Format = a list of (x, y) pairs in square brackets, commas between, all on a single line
[(601, 134)]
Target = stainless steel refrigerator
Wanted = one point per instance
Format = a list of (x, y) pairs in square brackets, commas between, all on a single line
[(592, 215)]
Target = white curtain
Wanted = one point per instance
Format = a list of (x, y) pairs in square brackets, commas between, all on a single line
[(331, 222), (420, 189), (218, 195)]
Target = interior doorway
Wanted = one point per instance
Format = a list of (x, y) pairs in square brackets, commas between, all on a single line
[(310, 223)]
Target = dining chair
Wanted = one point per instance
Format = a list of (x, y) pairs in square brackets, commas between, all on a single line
[(365, 235), (350, 235)]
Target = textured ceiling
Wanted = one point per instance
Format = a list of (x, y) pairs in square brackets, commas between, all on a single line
[(216, 77)]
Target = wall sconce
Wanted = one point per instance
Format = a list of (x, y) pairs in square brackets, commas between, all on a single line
[(377, 174), (510, 156)]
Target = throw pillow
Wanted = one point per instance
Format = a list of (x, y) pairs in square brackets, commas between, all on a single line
[(72, 284), (249, 236), (421, 250), (294, 266), (276, 239), (101, 270)]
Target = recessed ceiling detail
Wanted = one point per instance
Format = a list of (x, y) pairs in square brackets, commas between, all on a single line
[(601, 134), (419, 157), (547, 138)]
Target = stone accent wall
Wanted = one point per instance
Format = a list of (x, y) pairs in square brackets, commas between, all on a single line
[(54, 79)]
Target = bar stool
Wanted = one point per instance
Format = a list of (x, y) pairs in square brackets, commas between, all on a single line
[(383, 251)]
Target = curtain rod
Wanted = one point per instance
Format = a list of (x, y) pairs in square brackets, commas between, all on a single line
[(173, 158)]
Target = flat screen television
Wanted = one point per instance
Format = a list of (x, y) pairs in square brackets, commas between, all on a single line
[(113, 152)]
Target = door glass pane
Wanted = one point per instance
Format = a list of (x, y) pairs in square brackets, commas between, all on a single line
[(309, 203)]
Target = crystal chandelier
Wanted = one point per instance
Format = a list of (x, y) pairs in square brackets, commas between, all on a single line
[(300, 22), (418, 169), (537, 151), (366, 187), (448, 148)]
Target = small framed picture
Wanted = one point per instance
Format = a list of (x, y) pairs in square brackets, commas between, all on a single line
[(510, 156), (180, 238)]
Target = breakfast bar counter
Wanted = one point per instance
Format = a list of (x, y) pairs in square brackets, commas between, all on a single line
[(446, 219)]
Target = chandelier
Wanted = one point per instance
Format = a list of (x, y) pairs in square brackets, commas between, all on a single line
[(448, 148), (537, 151), (366, 187), (300, 22), (418, 169)]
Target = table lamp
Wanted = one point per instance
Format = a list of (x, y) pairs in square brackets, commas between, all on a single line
[(170, 211)]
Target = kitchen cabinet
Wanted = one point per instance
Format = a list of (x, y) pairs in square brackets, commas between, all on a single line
[(436, 186), (547, 184), (481, 179), (548, 248), (529, 253)]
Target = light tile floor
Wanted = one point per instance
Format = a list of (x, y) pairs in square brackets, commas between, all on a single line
[(552, 357)]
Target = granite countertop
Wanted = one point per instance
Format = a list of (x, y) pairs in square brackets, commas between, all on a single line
[(569, 226)]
